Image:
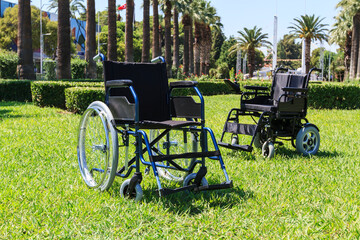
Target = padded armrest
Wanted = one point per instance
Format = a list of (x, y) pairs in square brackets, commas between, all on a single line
[(183, 84), (292, 89), (257, 88), (119, 83)]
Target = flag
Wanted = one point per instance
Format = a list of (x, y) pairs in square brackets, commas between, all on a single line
[(122, 7)]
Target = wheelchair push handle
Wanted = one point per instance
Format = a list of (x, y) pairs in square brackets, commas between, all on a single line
[(100, 57), (158, 59)]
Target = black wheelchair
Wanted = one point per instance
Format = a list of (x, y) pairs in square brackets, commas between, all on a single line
[(278, 115), (163, 132)]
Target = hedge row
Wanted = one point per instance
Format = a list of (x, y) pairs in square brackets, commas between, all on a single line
[(76, 95)]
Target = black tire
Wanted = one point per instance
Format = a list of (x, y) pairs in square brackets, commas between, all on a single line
[(308, 140), (268, 150)]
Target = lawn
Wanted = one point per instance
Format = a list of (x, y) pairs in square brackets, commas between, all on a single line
[(43, 196)]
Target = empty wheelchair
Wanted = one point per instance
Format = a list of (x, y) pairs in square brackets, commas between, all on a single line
[(141, 125), (280, 115)]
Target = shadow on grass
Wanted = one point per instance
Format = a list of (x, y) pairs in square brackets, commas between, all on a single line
[(192, 203), (12, 104), (292, 153), (196, 203)]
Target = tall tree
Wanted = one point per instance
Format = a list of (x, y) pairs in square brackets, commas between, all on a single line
[(145, 56), (129, 33), (168, 41), (156, 43), (112, 49), (176, 35), (63, 42), (25, 52), (309, 28), (341, 34), (249, 40), (90, 43), (352, 7)]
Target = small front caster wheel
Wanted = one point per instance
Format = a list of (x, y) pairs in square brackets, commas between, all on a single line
[(189, 180), (136, 194), (268, 150)]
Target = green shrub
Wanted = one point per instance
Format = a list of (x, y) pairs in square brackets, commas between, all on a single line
[(78, 67), (78, 98), (52, 94), (49, 68), (99, 70), (15, 90), (8, 64)]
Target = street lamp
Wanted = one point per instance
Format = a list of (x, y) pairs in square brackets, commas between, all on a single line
[(42, 39)]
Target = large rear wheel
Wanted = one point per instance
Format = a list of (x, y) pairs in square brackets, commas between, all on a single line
[(97, 147)]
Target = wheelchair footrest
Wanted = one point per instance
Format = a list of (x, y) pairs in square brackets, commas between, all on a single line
[(246, 148), (161, 158), (167, 191)]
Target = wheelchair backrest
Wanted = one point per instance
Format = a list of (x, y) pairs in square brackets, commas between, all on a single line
[(282, 80), (150, 83)]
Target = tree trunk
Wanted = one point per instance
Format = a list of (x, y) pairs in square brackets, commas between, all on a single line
[(191, 48), (347, 54), (307, 54), (168, 36), (186, 61), (63, 41), (90, 43), (197, 48), (251, 61), (25, 52), (156, 45), (176, 39), (112, 48), (145, 56), (129, 45), (355, 46), (208, 45)]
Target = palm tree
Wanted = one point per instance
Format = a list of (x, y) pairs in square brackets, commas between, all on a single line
[(176, 35), (309, 28), (249, 40), (352, 7), (25, 52), (76, 7), (146, 32), (341, 34), (156, 43), (129, 45), (63, 41), (90, 44), (186, 21), (112, 51), (167, 19)]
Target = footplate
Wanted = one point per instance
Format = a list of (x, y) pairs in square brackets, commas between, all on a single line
[(166, 191), (246, 148)]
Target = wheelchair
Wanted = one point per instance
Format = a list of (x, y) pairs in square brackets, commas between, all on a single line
[(280, 115), (144, 125)]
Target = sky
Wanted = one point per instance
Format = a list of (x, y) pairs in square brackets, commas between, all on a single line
[(237, 14)]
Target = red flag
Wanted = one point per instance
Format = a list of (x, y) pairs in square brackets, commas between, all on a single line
[(122, 7)]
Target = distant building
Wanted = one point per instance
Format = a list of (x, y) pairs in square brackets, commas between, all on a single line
[(77, 27)]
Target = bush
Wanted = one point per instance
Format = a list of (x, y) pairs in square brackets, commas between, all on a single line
[(8, 64), (79, 98), (78, 67), (15, 90), (49, 67), (52, 94)]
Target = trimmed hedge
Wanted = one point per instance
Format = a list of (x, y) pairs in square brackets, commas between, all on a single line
[(52, 94), (8, 64), (15, 90), (79, 98)]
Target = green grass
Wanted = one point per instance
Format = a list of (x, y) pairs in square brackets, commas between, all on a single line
[(42, 194)]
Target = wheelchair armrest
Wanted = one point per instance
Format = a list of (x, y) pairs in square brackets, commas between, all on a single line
[(293, 89), (118, 83), (256, 88), (183, 84)]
